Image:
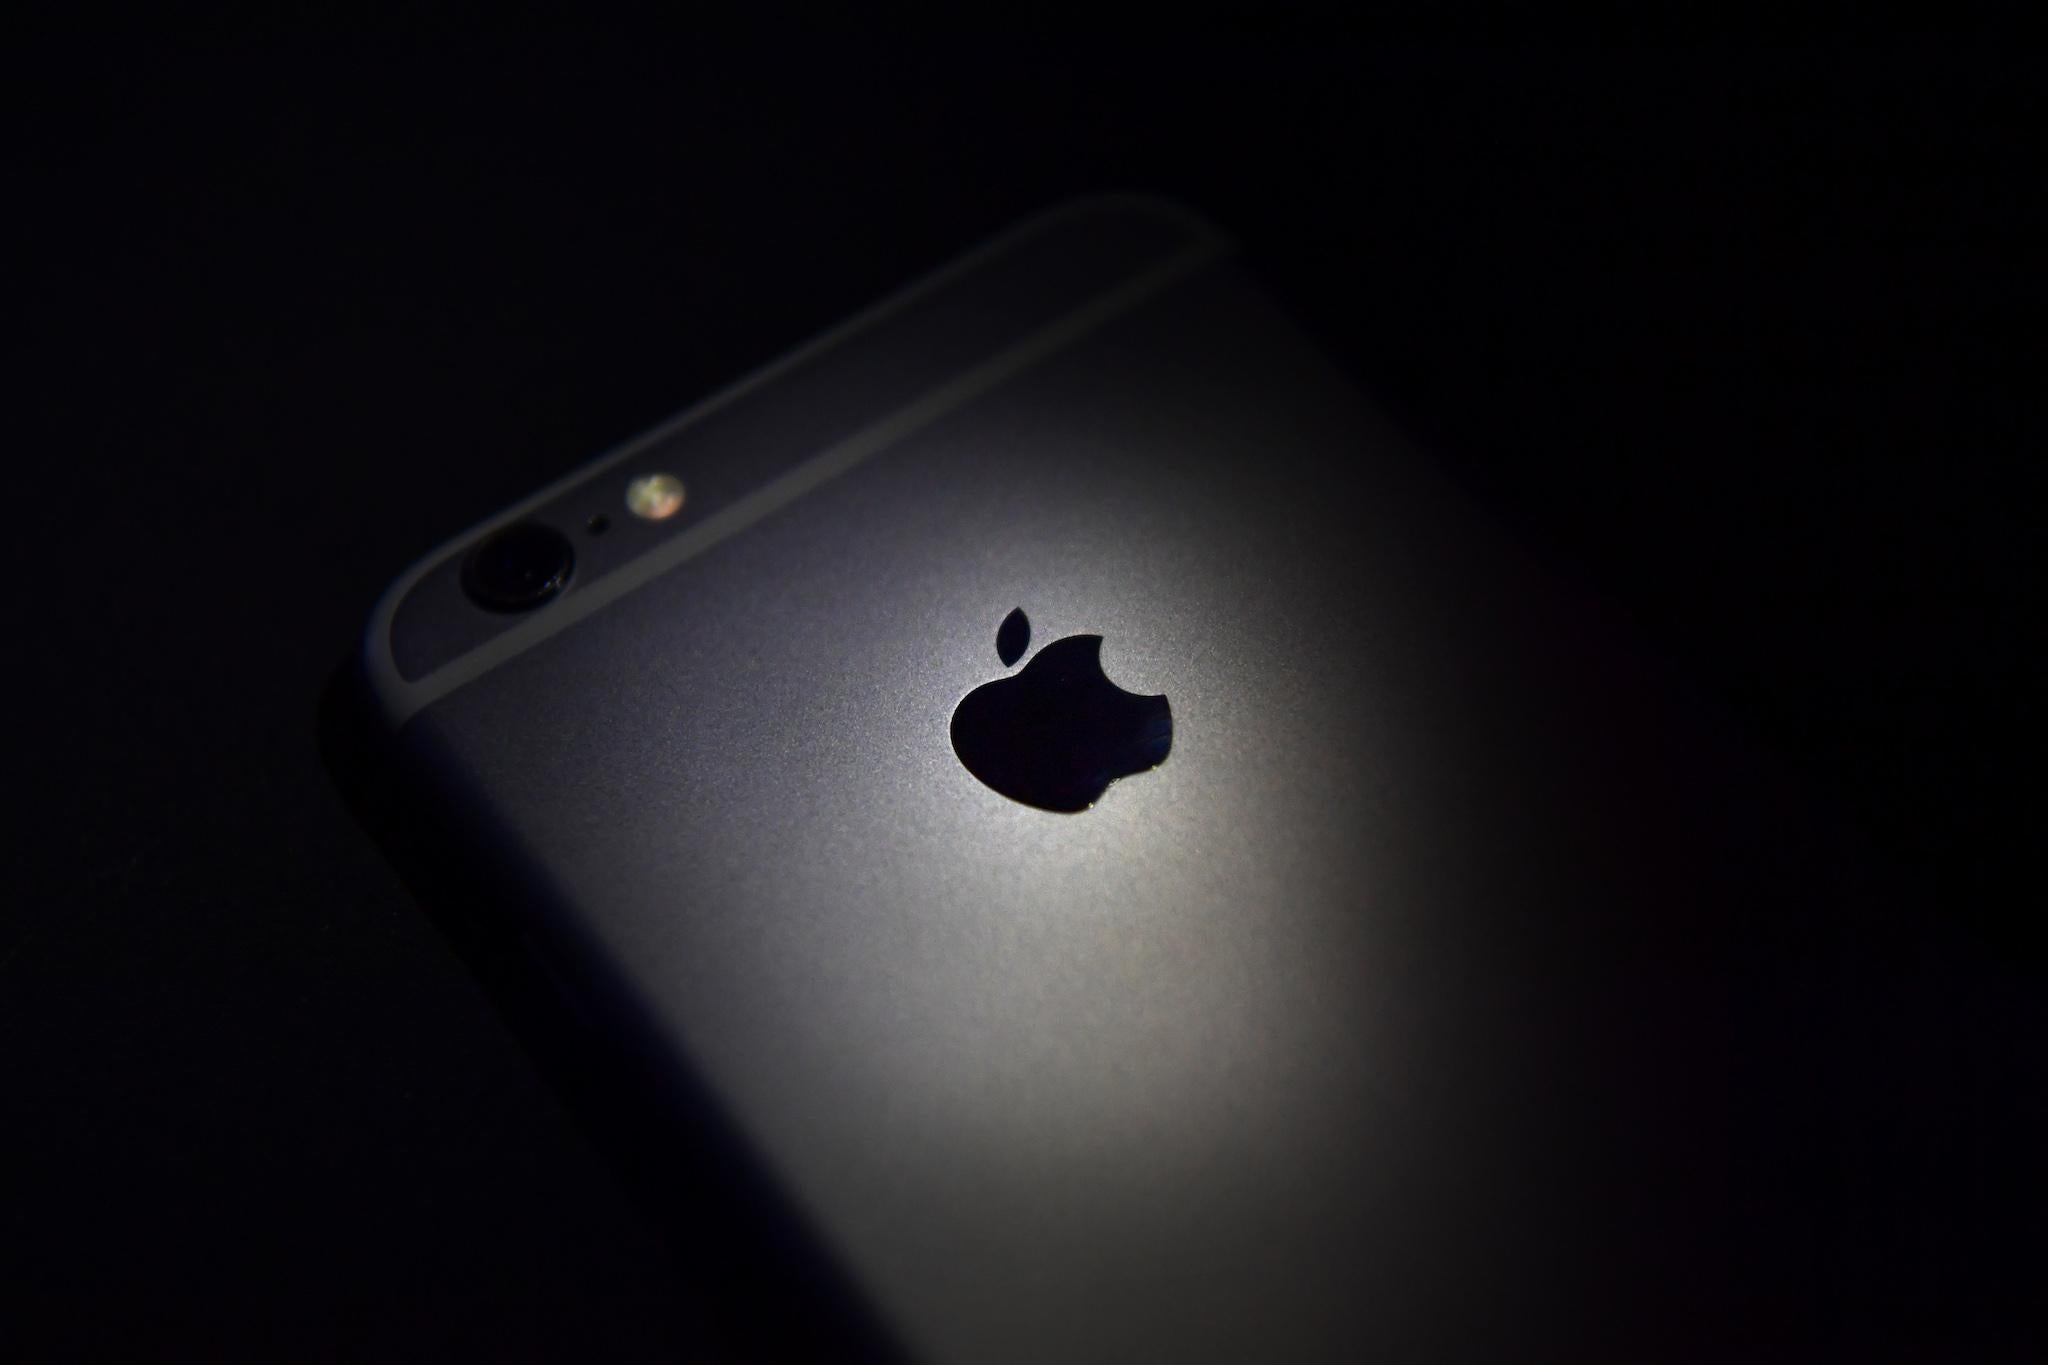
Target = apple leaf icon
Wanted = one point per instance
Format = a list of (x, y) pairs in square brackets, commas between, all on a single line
[(1012, 636)]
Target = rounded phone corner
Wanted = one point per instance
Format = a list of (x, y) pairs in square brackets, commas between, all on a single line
[(377, 663), (377, 660)]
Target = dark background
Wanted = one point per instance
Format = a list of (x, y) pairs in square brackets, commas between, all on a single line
[(1745, 338)]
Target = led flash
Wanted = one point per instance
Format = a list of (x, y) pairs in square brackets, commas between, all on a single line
[(655, 497)]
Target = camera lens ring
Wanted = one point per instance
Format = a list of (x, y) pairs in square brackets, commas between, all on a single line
[(518, 568)]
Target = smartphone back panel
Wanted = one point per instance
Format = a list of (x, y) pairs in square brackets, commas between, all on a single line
[(1438, 990)]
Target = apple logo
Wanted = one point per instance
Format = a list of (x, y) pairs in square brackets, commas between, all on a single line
[(1058, 733)]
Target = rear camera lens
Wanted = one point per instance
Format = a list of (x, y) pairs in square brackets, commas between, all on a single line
[(518, 568)]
